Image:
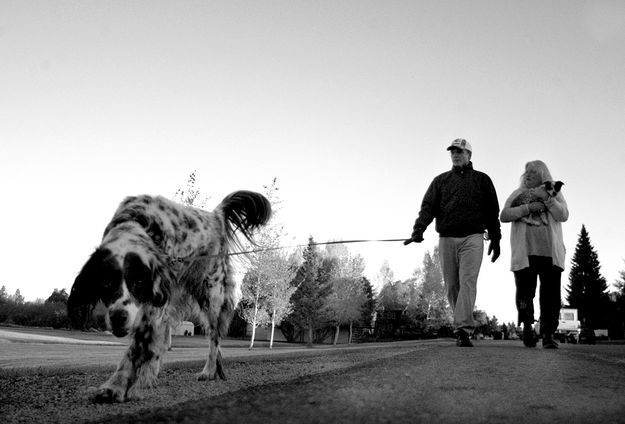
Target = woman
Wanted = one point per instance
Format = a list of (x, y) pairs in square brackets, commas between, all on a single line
[(537, 251)]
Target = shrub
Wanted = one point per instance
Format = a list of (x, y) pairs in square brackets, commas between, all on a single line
[(34, 314)]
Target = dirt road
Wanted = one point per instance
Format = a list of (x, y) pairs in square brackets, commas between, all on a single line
[(411, 382), (491, 383)]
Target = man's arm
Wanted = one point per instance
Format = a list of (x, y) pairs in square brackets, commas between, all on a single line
[(492, 220), (429, 209)]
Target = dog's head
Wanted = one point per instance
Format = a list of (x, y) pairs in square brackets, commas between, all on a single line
[(125, 277), (553, 188)]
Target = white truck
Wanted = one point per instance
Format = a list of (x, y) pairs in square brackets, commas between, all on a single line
[(569, 326)]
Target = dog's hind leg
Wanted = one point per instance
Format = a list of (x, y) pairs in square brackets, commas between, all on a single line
[(220, 369), (213, 366), (219, 322), (217, 315), (141, 363)]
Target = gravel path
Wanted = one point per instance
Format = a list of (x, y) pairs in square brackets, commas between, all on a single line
[(62, 395), (406, 382)]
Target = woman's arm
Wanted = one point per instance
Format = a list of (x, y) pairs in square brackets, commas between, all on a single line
[(510, 213), (558, 208)]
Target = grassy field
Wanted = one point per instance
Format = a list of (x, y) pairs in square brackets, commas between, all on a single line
[(49, 350), (106, 337)]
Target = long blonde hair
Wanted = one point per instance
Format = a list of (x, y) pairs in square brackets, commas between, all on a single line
[(540, 167)]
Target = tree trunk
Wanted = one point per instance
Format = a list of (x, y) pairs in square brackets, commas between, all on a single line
[(254, 322), (336, 334), (310, 333), (273, 326), (253, 334), (351, 332)]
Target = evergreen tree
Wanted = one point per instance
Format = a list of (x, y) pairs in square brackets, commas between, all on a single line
[(309, 300), (587, 290), (17, 298), (368, 309), (58, 297), (620, 285), (4, 296), (432, 288)]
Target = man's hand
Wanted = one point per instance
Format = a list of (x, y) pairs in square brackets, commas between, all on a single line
[(493, 248), (417, 237)]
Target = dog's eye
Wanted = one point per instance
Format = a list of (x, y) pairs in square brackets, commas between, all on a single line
[(138, 277), (109, 283)]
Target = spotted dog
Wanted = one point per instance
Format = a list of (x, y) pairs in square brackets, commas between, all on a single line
[(539, 194), (158, 263)]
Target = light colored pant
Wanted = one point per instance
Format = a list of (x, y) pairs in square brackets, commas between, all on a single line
[(461, 259)]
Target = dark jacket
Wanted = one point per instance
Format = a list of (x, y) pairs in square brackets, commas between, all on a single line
[(464, 202)]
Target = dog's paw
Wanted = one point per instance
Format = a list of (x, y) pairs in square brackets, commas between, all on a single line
[(108, 395), (204, 376)]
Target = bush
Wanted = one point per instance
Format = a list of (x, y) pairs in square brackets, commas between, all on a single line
[(34, 314)]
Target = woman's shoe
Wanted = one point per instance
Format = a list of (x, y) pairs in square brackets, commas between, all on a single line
[(529, 338)]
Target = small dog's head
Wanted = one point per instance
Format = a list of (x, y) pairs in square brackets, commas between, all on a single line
[(553, 188), (124, 280)]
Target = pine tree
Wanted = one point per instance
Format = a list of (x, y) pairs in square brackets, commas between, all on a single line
[(620, 285), (432, 289), (4, 296), (312, 290), (368, 309), (587, 290)]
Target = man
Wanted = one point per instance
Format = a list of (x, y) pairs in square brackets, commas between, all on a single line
[(464, 203)]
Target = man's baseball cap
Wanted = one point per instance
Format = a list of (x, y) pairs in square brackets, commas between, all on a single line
[(461, 143)]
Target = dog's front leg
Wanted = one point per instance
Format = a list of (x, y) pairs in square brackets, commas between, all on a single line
[(140, 364), (117, 386)]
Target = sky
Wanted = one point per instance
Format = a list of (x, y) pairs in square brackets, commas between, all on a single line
[(349, 104)]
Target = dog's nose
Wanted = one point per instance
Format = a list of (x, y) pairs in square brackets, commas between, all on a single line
[(118, 323)]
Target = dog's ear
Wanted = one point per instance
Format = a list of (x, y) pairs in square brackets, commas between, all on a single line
[(163, 280), (548, 185), (558, 185), (97, 276)]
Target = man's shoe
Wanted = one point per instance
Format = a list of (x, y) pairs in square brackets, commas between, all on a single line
[(549, 342), (529, 338), (462, 339)]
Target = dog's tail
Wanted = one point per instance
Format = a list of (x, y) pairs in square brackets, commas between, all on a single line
[(244, 211)]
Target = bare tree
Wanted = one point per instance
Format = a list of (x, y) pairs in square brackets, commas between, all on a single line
[(266, 288)]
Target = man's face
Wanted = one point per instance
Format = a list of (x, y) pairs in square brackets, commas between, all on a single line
[(459, 157)]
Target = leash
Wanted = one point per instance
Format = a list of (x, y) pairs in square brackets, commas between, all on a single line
[(267, 249), (316, 244)]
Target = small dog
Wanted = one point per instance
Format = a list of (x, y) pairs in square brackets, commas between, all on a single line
[(541, 193), (158, 263)]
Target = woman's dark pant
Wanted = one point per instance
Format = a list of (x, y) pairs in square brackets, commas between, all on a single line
[(549, 295)]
